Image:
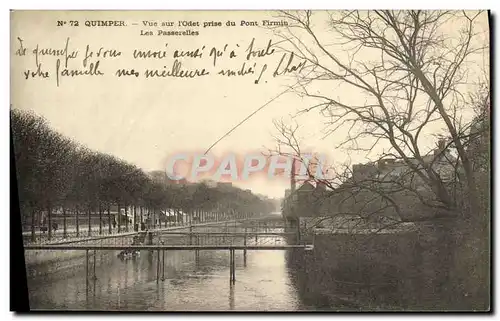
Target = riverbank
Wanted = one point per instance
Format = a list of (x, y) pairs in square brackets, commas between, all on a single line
[(403, 270)]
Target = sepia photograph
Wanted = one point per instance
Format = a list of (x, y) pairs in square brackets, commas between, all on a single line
[(251, 161)]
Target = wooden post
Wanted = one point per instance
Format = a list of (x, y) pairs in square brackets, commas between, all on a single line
[(87, 271), (158, 267), (232, 269), (230, 266), (163, 268), (95, 277), (245, 251)]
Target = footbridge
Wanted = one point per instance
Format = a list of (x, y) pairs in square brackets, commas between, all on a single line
[(261, 234)]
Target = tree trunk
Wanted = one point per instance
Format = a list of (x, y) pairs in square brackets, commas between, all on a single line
[(100, 219), (33, 238), (49, 216), (64, 222), (109, 218), (90, 221), (77, 221), (119, 218), (126, 218), (135, 218)]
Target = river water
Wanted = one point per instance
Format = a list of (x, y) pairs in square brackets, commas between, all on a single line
[(343, 272), (263, 283)]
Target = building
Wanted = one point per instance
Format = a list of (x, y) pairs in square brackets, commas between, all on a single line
[(161, 177), (390, 169), (306, 200), (312, 199), (478, 146), (210, 183), (224, 184)]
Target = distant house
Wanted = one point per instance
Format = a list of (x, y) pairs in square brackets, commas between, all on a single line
[(162, 177), (305, 201), (356, 196), (398, 180), (387, 170), (224, 185), (210, 183), (478, 147)]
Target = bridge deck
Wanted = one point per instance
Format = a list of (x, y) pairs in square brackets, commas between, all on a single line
[(229, 233), (164, 247)]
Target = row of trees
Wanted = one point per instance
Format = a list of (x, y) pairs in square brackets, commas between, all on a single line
[(55, 172)]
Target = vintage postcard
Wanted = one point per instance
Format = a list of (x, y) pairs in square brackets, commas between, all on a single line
[(252, 160)]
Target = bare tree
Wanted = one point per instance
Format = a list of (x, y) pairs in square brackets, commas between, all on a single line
[(386, 82), (405, 73)]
